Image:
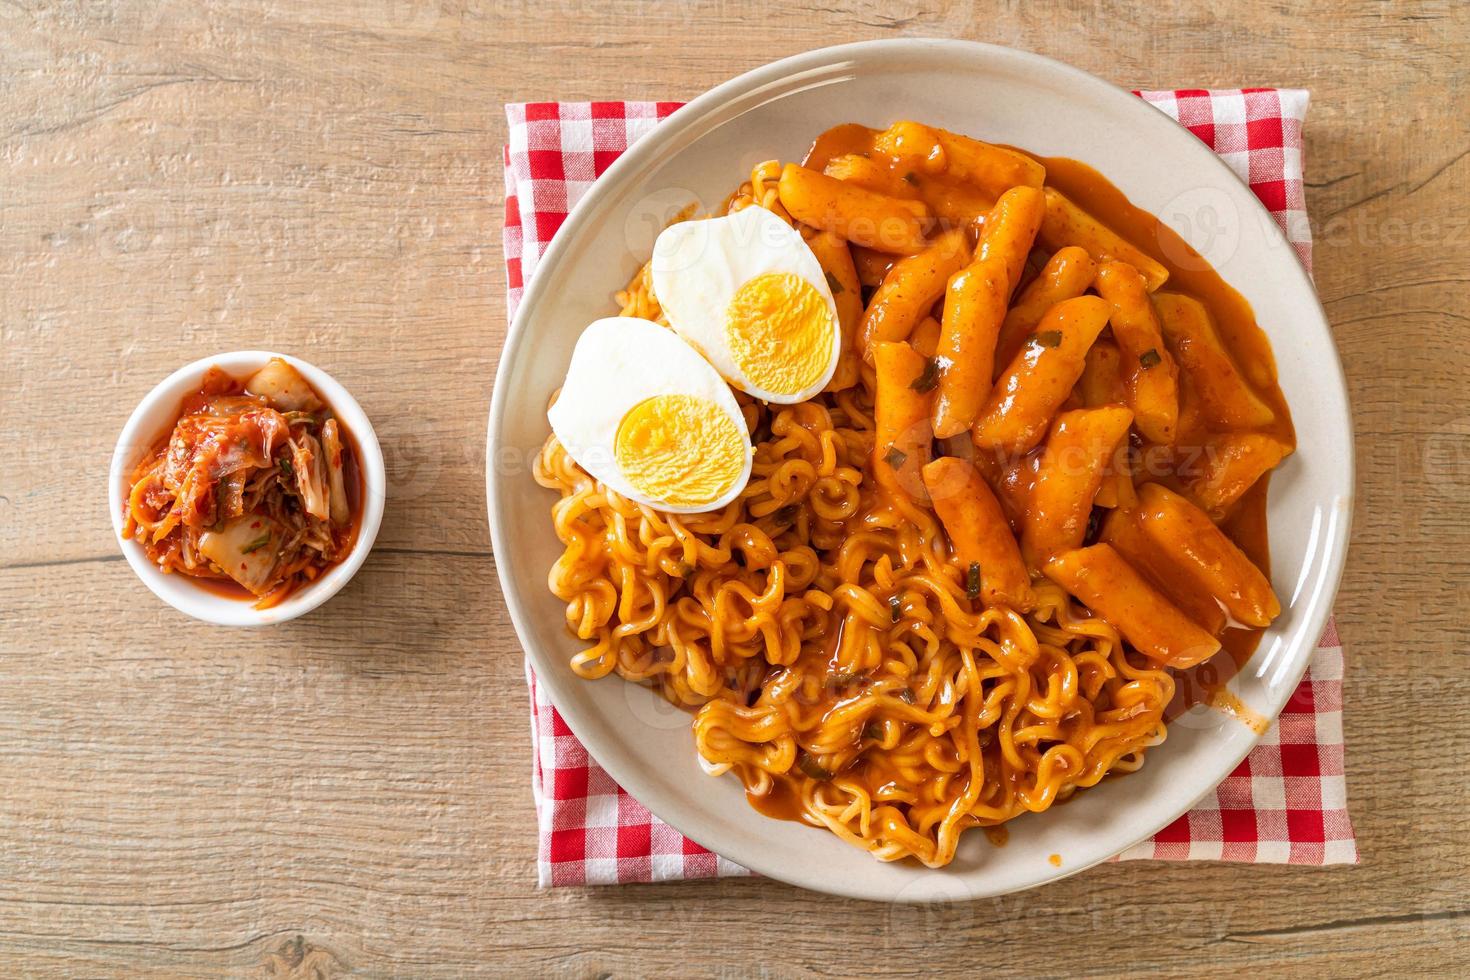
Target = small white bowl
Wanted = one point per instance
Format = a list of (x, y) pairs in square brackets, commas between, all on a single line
[(155, 416)]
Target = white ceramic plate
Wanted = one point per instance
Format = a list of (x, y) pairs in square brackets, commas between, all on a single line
[(1001, 95)]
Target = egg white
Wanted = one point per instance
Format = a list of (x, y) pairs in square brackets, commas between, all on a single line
[(699, 265), (618, 363)]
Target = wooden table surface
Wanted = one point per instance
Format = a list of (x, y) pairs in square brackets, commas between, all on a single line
[(349, 793)]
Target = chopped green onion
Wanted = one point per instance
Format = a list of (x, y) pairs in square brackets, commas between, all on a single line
[(286, 470), (895, 457), (834, 284), (809, 765), (930, 377), (257, 544), (1047, 338), (1094, 524), (685, 569), (873, 731), (906, 696), (895, 607), (1149, 358), (972, 581)]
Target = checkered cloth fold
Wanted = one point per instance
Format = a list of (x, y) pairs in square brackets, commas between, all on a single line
[(1286, 803)]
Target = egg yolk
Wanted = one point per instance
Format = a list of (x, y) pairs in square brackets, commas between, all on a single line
[(779, 330), (680, 450)]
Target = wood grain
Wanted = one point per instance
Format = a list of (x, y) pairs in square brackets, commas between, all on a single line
[(348, 794)]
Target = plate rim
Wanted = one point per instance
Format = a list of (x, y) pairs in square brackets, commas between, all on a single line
[(1340, 506)]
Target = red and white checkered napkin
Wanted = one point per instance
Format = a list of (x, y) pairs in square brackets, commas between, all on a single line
[(1287, 802)]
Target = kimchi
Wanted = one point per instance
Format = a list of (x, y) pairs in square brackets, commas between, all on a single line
[(256, 489)]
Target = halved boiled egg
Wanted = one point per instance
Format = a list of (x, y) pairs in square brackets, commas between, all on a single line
[(648, 417), (747, 291)]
